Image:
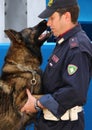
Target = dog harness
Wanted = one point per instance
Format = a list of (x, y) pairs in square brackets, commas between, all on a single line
[(28, 69)]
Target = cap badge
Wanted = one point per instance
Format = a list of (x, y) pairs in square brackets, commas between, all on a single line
[(72, 69), (50, 3)]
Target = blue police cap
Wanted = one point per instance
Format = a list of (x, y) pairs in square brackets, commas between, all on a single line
[(53, 5)]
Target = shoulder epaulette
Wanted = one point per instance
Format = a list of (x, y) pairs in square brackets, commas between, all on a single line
[(73, 42)]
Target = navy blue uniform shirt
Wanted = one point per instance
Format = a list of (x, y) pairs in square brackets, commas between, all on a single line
[(68, 72)]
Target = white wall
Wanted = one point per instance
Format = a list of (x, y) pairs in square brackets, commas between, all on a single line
[(2, 35), (34, 8)]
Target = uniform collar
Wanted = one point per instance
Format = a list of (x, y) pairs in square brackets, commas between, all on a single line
[(68, 34)]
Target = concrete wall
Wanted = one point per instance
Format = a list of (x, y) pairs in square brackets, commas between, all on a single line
[(18, 14)]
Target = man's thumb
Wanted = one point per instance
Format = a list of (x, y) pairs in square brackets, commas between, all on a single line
[(28, 93)]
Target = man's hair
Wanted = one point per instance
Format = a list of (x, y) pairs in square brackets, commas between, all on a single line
[(74, 11)]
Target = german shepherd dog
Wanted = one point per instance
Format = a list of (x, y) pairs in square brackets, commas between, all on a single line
[(21, 70)]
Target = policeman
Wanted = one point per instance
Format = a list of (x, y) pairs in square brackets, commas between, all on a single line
[(68, 72)]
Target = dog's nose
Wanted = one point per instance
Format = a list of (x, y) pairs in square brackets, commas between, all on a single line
[(44, 21)]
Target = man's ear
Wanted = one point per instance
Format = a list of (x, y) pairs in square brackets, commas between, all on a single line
[(68, 16), (13, 35)]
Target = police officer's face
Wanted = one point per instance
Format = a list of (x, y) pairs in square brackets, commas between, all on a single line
[(59, 24)]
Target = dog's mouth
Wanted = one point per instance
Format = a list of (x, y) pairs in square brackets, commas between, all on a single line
[(45, 35)]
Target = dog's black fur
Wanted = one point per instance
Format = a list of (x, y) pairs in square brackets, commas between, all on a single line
[(20, 71)]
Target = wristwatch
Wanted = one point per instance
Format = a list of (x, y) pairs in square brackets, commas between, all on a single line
[(36, 106)]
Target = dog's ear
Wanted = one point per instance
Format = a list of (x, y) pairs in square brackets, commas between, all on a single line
[(13, 35)]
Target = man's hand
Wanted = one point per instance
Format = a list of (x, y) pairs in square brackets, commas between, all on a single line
[(29, 106)]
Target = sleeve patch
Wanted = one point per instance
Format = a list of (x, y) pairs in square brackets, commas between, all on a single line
[(72, 69)]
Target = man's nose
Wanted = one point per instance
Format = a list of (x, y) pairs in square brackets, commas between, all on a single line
[(48, 23)]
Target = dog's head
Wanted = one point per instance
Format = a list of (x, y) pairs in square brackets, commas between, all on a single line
[(33, 37)]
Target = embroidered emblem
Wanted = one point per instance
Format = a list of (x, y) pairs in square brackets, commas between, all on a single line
[(73, 42), (72, 69), (50, 3), (55, 58)]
